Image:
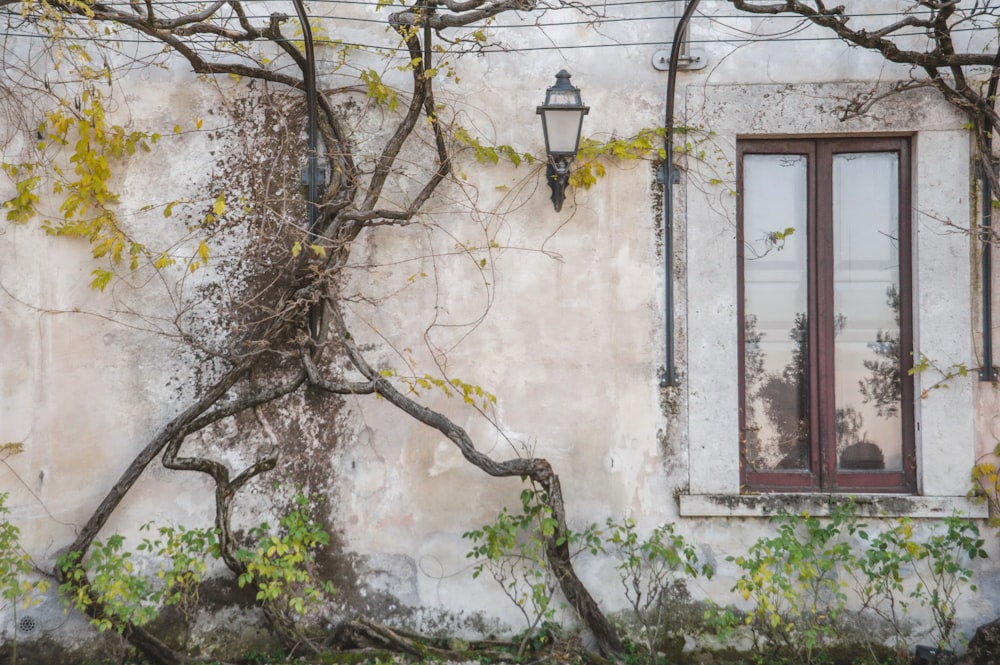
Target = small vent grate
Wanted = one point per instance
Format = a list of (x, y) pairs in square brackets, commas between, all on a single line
[(27, 624)]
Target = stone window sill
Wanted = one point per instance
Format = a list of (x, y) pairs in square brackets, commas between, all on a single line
[(869, 505)]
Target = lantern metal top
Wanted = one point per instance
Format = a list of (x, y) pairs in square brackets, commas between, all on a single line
[(563, 95)]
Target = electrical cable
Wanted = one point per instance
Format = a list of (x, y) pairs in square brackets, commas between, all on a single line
[(744, 37), (312, 129), (104, 39)]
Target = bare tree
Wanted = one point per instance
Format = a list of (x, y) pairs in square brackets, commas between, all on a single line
[(923, 36)]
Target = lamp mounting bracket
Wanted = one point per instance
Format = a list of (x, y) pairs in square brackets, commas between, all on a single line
[(692, 60)]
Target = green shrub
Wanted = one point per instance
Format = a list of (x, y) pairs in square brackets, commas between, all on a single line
[(654, 573), (280, 566), (16, 588)]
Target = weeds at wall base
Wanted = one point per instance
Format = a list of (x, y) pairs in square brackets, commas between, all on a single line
[(801, 587), (564, 648)]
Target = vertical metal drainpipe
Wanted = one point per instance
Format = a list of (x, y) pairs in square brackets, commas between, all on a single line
[(309, 74), (988, 371), (311, 175), (668, 177)]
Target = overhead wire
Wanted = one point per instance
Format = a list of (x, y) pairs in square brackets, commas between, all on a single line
[(542, 11), (753, 37), (740, 35)]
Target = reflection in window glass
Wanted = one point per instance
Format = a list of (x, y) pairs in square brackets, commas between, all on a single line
[(775, 278), (866, 299)]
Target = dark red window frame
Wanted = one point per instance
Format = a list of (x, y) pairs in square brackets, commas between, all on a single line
[(823, 474)]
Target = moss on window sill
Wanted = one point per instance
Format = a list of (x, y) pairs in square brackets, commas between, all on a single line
[(869, 505)]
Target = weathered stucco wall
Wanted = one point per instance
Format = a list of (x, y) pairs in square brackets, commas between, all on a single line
[(560, 315)]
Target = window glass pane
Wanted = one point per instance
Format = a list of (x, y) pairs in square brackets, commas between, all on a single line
[(866, 303), (775, 282)]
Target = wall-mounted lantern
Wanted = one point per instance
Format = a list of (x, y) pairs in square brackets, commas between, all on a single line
[(562, 117)]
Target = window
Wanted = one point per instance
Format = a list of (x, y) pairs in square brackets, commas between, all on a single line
[(824, 294), (928, 473)]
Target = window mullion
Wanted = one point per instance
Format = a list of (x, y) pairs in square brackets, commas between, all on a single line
[(822, 317)]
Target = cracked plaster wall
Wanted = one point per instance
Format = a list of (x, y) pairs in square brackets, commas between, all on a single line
[(564, 324)]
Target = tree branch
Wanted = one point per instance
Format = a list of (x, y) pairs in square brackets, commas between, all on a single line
[(539, 470)]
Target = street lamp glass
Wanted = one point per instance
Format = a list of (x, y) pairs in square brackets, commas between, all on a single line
[(562, 130), (562, 117)]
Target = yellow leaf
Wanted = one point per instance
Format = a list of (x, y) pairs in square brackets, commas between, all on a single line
[(203, 251), (296, 248), (219, 207), (197, 122), (177, 129)]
